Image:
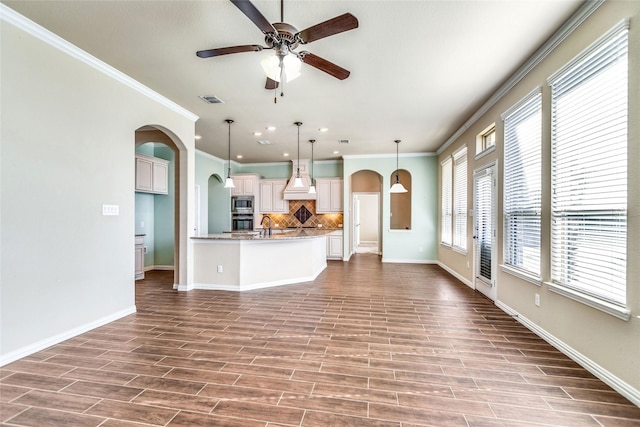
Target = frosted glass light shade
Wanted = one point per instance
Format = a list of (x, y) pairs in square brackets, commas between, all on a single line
[(271, 67), (229, 183), (397, 188), (312, 189), (297, 183)]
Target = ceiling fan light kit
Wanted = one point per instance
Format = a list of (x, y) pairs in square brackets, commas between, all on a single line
[(284, 38)]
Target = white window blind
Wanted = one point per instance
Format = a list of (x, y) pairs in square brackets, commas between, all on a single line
[(589, 170), (523, 184), (447, 190), (460, 200)]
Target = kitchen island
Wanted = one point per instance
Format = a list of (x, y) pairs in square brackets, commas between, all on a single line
[(246, 261)]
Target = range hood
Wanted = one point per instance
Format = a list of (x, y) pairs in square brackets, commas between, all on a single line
[(299, 193)]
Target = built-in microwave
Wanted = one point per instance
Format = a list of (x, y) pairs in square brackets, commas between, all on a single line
[(242, 204), (242, 222)]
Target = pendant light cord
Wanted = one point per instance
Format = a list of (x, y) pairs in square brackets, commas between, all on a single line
[(229, 121), (298, 170)]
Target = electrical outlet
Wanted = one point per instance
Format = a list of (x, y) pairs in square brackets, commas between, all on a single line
[(219, 269), (537, 300), (468, 265)]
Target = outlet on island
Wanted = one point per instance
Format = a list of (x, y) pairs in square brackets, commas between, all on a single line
[(219, 269)]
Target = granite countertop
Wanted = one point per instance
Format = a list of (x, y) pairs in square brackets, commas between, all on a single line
[(285, 234)]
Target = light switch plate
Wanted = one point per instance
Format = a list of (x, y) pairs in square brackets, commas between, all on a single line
[(110, 210)]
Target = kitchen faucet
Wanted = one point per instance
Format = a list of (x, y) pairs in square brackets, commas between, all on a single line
[(264, 230)]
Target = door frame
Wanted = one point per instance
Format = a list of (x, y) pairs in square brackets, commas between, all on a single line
[(490, 290), (354, 219)]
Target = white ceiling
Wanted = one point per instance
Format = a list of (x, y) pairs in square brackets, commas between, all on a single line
[(419, 69)]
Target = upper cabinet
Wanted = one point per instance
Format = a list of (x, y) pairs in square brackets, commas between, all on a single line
[(245, 185), (152, 174), (272, 196), (329, 197)]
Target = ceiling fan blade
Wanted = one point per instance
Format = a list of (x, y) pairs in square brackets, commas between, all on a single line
[(227, 50), (324, 65), (254, 14), (271, 84), (328, 28)]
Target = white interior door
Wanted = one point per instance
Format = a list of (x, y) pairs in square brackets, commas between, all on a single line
[(485, 248)]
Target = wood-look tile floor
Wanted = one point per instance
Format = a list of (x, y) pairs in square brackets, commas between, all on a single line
[(365, 344)]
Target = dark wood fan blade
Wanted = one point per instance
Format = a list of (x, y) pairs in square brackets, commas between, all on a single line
[(227, 50), (324, 65), (328, 28), (271, 84), (254, 14)]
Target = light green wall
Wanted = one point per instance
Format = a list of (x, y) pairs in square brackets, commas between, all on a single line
[(417, 245), (321, 169), (215, 200)]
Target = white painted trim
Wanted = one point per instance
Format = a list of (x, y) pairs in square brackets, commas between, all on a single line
[(56, 339), (607, 377), (409, 261), (565, 30), (456, 275), (384, 156), (593, 302), (14, 18), (209, 156)]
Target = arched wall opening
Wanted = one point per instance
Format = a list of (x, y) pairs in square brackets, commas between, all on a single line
[(365, 231), (165, 144)]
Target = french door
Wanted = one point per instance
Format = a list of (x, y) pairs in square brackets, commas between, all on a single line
[(485, 248)]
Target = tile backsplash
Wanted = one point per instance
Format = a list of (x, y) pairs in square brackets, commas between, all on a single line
[(311, 219)]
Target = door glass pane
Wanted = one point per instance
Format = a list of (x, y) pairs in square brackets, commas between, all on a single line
[(484, 215)]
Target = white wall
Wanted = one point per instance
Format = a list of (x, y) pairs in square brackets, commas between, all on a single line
[(67, 138)]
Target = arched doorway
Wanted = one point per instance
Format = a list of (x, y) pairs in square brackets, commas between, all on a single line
[(162, 143), (366, 225)]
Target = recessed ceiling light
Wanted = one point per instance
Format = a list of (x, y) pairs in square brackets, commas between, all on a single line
[(285, 154), (323, 129), (336, 152), (257, 133), (271, 128), (239, 156), (197, 137)]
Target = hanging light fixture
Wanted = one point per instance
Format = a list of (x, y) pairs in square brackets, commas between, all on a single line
[(297, 183), (312, 187), (281, 67), (229, 182), (397, 187)]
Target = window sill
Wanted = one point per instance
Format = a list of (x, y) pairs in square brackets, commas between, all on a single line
[(598, 304), (485, 152), (521, 274), (459, 250)]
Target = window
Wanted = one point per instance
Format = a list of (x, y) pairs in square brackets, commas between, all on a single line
[(486, 141), (523, 184), (447, 194), (589, 172), (460, 200)]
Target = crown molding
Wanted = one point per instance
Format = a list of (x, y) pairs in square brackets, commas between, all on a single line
[(558, 37), (12, 17), (386, 156)]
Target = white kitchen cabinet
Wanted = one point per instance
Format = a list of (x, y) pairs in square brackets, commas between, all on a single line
[(272, 196), (139, 257), (152, 174), (334, 245), (329, 197), (245, 185)]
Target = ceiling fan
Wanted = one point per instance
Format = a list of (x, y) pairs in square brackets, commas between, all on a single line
[(284, 38)]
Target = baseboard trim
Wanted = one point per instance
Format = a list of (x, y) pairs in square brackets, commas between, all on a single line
[(159, 267), (409, 261), (607, 377), (56, 339), (456, 275)]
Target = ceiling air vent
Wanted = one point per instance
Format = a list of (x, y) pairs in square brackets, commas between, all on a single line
[(343, 141), (264, 142), (211, 99)]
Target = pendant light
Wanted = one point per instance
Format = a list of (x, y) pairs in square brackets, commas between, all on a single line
[(312, 187), (297, 183), (229, 182), (397, 187)]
